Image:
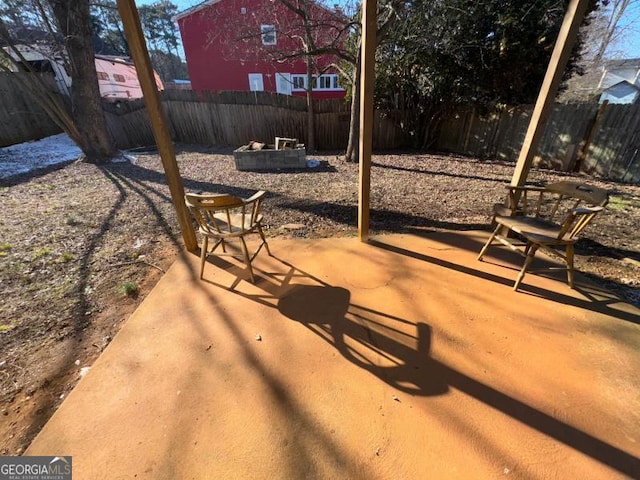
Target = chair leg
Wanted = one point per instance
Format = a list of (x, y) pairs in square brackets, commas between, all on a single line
[(532, 252), (203, 254), (247, 259), (486, 245), (264, 240), (570, 265)]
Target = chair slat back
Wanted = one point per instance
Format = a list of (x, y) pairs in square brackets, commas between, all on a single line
[(576, 194), (586, 193), (207, 207), (556, 200), (236, 212)]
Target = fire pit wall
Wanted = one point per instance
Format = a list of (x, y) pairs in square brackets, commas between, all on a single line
[(269, 158)]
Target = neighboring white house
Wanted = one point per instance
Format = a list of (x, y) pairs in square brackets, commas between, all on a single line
[(621, 92), (620, 81), (616, 71)]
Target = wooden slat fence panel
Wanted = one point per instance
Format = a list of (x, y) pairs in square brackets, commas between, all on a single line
[(511, 132), (21, 117), (453, 130), (498, 134), (332, 130), (389, 130), (566, 127), (130, 130), (235, 118), (225, 118), (615, 150)]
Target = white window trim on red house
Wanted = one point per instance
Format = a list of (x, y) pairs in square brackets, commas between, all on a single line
[(266, 31), (256, 82), (284, 83), (332, 77), (295, 78)]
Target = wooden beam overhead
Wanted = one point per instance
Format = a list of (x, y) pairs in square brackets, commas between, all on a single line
[(157, 117), (367, 83), (559, 58)]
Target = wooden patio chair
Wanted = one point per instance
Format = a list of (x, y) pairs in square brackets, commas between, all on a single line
[(551, 221), (225, 217)]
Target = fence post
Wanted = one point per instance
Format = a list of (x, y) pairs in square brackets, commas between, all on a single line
[(585, 143), (469, 129)]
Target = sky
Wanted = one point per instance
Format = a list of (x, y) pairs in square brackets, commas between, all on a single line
[(182, 4), (628, 48)]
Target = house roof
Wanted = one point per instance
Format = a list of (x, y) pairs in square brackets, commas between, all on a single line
[(623, 82), (623, 62), (115, 59), (190, 11), (201, 6)]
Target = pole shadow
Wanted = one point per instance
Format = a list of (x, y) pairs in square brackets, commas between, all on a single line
[(397, 350), (603, 302)]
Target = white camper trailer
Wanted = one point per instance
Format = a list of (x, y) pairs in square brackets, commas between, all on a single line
[(117, 77)]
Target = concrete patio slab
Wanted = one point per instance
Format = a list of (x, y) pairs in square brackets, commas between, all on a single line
[(404, 358)]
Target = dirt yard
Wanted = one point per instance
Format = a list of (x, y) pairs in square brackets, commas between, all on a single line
[(81, 246)]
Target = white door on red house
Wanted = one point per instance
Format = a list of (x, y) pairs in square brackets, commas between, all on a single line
[(283, 83), (255, 82)]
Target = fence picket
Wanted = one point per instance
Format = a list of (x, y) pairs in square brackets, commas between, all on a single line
[(235, 118)]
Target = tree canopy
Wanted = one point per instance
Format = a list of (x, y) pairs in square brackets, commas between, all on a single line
[(461, 51)]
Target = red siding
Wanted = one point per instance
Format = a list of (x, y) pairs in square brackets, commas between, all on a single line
[(218, 62)]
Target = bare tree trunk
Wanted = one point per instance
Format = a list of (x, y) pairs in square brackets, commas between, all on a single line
[(617, 11), (86, 105), (354, 124), (311, 114)]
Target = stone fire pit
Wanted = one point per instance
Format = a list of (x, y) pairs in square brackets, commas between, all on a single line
[(259, 156)]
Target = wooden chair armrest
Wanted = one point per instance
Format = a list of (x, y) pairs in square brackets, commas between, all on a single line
[(256, 196), (528, 188), (586, 210)]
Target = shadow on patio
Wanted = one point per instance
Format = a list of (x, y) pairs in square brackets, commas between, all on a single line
[(403, 358)]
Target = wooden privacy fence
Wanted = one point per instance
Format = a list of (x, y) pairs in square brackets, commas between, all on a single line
[(615, 150), (21, 118), (602, 139), (235, 118)]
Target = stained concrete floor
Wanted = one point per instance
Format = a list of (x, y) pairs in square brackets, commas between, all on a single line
[(401, 359)]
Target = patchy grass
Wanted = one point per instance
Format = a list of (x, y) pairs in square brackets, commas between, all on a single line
[(130, 289), (40, 252), (66, 257), (621, 203), (71, 221)]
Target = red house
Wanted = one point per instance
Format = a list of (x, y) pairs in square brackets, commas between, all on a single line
[(257, 45)]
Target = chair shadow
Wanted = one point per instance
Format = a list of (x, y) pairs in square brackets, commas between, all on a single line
[(595, 298), (397, 350)]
